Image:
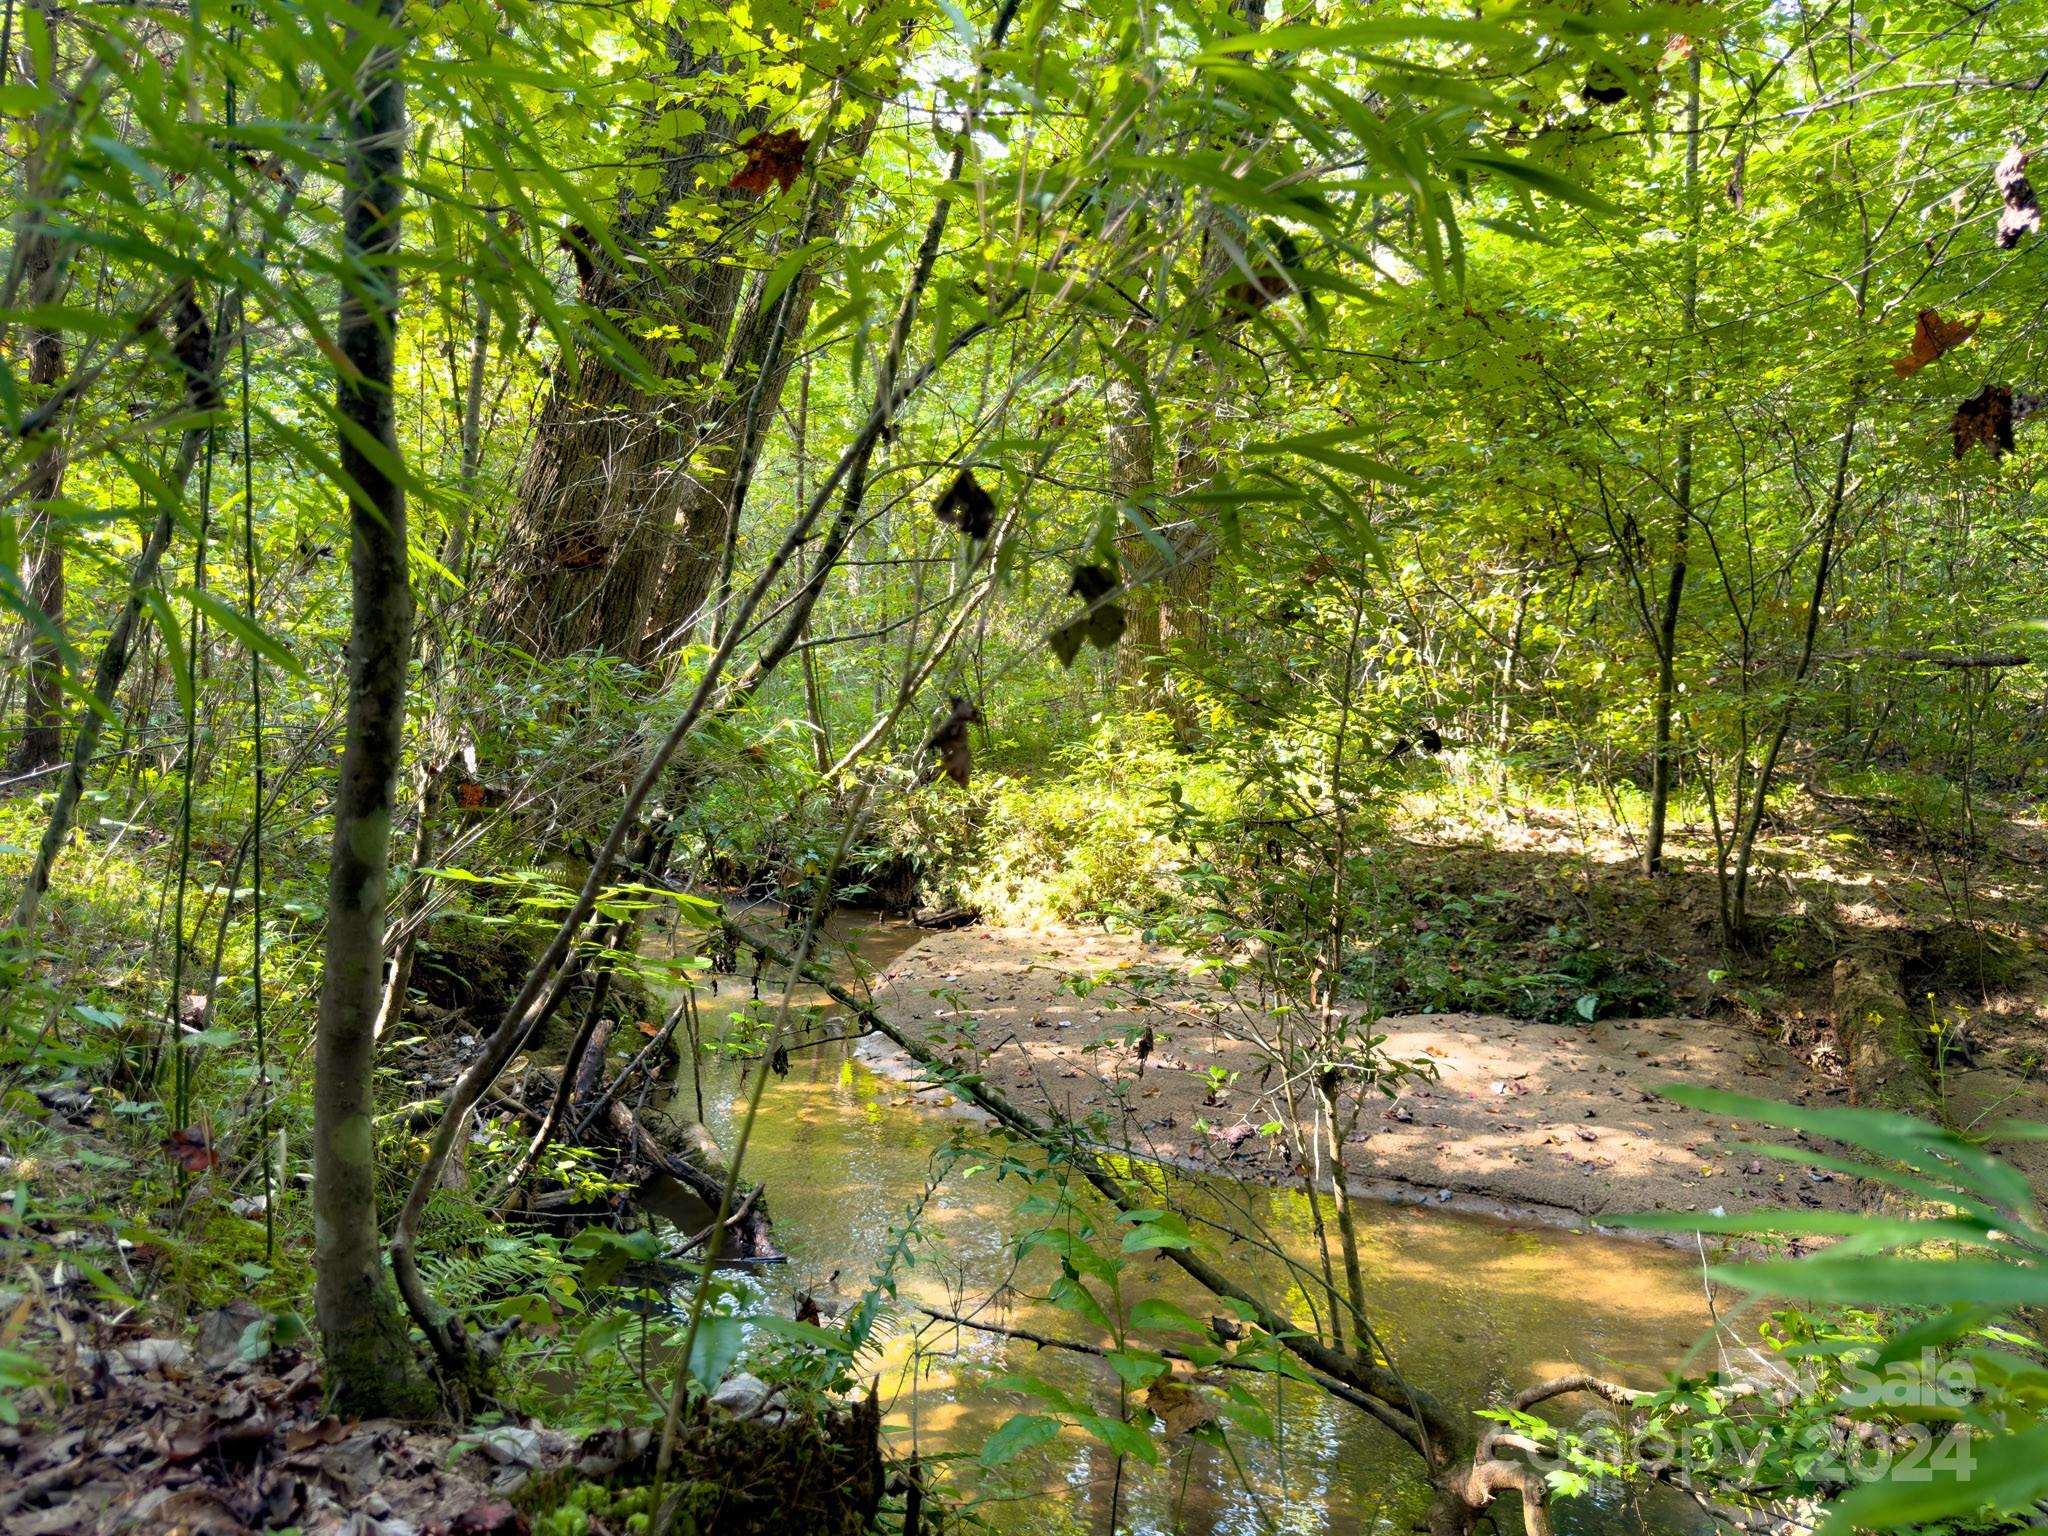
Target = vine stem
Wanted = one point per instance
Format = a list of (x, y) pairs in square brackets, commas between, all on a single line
[(255, 740)]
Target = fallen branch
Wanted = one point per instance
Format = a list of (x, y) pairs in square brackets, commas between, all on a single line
[(1558, 1386), (1370, 1405), (603, 1100), (754, 1238), (1946, 658)]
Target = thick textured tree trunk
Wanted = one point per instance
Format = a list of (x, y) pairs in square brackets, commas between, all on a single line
[(611, 467), (370, 1364), (704, 538), (614, 458)]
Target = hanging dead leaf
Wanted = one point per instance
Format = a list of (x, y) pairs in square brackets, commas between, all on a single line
[(1244, 299), (1106, 626), (1603, 85), (1933, 336), (1066, 641), (773, 160), (1092, 582), (469, 795), (2021, 215), (192, 346), (967, 506), (1271, 281), (1987, 418), (191, 1148), (577, 242), (1179, 1407), (1101, 626), (948, 741)]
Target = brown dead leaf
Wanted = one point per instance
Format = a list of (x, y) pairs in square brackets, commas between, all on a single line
[(773, 160), (967, 506), (1179, 1407), (197, 1511), (1932, 337), (948, 740), (1987, 418), (328, 1431), (2021, 215), (191, 1148), (1066, 641)]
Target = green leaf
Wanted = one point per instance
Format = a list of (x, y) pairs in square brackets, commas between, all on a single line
[(1019, 1435), (603, 1334), (1161, 1230), (1999, 1474), (174, 647), (1158, 1312), (1033, 1386), (243, 629), (1892, 1281), (1548, 182), (719, 1339), (1137, 1368), (1125, 1439), (827, 1339)]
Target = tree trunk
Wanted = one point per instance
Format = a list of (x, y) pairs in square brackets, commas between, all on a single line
[(370, 1364), (44, 260), (1663, 759), (1129, 444), (43, 703), (112, 667), (613, 452), (703, 542), (1883, 1044)]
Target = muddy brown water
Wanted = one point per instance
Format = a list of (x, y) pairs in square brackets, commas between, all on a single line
[(1471, 1307)]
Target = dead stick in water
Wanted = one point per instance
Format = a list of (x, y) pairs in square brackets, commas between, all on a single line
[(603, 1100), (1398, 1424)]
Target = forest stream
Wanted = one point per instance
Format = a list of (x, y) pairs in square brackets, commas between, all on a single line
[(1483, 1305), (1437, 610)]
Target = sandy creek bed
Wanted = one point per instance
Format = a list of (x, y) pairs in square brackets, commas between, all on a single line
[(1472, 1305)]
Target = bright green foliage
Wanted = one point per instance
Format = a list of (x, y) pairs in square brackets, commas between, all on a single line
[(1458, 411)]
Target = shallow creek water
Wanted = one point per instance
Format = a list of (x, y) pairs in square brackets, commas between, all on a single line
[(1470, 1307)]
